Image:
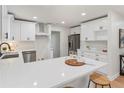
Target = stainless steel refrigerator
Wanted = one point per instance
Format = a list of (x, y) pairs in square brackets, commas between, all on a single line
[(73, 43)]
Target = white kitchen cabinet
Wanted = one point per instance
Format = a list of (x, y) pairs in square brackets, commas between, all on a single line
[(87, 32), (100, 24), (22, 31), (101, 35), (6, 26), (75, 30), (15, 31), (89, 55), (98, 57), (103, 58), (94, 30), (27, 31)]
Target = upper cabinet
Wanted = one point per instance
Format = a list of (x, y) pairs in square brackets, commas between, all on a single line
[(6, 27), (27, 31), (94, 30), (15, 31), (75, 30), (87, 30), (6, 22)]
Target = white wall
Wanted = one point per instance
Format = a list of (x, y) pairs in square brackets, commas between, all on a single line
[(64, 32), (115, 21), (41, 46)]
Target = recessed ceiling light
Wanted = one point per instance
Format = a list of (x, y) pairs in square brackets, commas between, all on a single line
[(83, 14), (34, 17), (63, 22)]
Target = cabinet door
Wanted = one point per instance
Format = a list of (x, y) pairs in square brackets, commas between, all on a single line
[(88, 33), (27, 31), (100, 24), (5, 28), (76, 30), (103, 58), (89, 55), (15, 30), (90, 28)]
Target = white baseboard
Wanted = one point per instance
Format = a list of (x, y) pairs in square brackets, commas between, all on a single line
[(111, 78)]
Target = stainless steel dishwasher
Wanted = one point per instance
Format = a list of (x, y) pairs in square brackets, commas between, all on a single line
[(29, 56)]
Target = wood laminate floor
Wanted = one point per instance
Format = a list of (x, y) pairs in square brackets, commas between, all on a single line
[(117, 83)]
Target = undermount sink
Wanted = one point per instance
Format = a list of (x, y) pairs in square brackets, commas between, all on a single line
[(9, 55)]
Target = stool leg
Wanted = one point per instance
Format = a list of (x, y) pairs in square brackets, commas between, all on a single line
[(89, 84), (110, 85), (95, 85), (102, 86)]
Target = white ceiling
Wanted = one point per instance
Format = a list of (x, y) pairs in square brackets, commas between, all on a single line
[(71, 14)]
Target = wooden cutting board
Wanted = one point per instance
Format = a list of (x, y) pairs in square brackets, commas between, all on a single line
[(74, 62)]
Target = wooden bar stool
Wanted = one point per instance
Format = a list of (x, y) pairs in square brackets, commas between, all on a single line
[(99, 79)]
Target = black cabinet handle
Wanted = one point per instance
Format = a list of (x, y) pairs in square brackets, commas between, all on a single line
[(86, 38), (97, 59), (6, 35), (28, 38), (13, 38)]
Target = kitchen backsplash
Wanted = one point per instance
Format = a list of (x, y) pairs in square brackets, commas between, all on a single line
[(25, 45), (40, 45), (95, 46)]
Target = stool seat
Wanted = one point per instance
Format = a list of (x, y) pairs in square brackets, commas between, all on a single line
[(99, 79)]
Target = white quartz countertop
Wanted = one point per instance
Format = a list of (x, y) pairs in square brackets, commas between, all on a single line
[(43, 74)]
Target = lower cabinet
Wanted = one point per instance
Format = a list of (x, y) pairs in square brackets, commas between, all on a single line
[(98, 57)]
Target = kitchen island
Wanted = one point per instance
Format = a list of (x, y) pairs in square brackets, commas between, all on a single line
[(45, 74)]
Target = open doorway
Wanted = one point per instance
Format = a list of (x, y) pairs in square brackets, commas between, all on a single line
[(55, 43)]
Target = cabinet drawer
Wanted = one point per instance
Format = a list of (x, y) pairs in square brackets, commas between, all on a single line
[(89, 55), (103, 58)]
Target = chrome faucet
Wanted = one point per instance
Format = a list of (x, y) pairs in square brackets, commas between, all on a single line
[(3, 44)]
